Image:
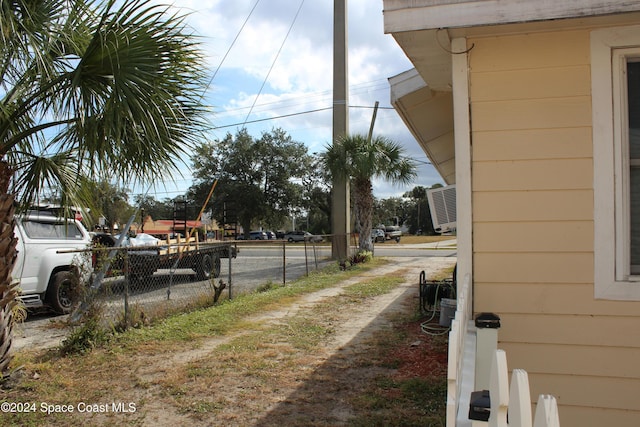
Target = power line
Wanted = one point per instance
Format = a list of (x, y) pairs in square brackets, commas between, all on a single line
[(274, 60), (294, 114), (306, 98), (231, 46), (272, 118)]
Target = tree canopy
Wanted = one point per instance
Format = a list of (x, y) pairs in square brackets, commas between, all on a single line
[(259, 180)]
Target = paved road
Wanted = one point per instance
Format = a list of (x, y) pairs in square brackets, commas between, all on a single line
[(402, 251)]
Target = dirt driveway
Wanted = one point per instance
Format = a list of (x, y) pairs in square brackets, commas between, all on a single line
[(261, 378)]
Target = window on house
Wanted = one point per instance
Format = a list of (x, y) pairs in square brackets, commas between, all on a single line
[(615, 74)]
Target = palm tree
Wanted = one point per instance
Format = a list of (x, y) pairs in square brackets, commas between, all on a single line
[(361, 159), (88, 90)]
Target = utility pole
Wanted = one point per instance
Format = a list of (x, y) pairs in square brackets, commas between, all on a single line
[(340, 206), (373, 121)]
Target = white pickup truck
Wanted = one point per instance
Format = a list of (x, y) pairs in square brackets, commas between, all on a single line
[(392, 232), (46, 266)]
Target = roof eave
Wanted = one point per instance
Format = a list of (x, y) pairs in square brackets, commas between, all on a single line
[(414, 15), (428, 114)]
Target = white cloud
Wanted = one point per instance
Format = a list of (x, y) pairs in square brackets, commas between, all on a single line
[(301, 78)]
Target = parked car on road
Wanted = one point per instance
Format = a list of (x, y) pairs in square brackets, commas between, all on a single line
[(300, 236), (258, 235), (393, 232), (378, 236), (49, 271)]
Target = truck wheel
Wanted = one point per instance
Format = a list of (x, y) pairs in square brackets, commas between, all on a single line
[(209, 267), (62, 293)]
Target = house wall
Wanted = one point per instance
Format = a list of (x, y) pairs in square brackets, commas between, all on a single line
[(532, 192)]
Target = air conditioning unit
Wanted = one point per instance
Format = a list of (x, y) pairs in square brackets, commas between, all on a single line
[(442, 204)]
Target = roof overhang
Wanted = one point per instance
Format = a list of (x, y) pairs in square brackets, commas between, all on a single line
[(415, 15), (424, 30), (429, 116)]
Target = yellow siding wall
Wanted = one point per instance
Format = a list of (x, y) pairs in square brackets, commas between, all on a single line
[(532, 180)]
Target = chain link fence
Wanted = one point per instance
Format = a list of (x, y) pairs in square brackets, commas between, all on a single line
[(133, 284)]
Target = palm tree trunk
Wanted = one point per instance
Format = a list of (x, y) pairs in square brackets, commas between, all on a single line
[(363, 207), (8, 289)]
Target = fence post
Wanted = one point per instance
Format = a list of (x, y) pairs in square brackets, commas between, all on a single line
[(230, 258), (487, 325), (306, 259), (284, 262), (127, 279), (315, 255)]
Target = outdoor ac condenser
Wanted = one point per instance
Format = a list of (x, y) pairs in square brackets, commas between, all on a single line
[(442, 204)]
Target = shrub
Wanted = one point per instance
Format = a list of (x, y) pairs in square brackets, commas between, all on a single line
[(360, 257)]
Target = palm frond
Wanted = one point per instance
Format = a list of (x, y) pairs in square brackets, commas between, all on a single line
[(57, 175), (118, 88), (356, 156)]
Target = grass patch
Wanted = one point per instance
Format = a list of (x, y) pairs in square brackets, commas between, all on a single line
[(373, 287), (416, 402), (229, 314)]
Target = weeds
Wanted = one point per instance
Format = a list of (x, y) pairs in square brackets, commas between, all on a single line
[(360, 257), (134, 317), (267, 286), (355, 259), (88, 332), (84, 338)]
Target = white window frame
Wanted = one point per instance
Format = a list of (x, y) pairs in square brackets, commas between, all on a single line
[(610, 48)]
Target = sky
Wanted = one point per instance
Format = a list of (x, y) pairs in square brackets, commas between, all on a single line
[(270, 64)]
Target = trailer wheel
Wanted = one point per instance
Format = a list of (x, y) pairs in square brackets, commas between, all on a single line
[(63, 293), (209, 267)]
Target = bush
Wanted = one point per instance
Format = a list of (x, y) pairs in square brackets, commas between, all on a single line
[(85, 337), (360, 257)]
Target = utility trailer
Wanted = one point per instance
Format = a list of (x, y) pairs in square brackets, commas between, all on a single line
[(144, 255)]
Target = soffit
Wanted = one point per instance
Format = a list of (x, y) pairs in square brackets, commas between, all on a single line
[(428, 114)]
